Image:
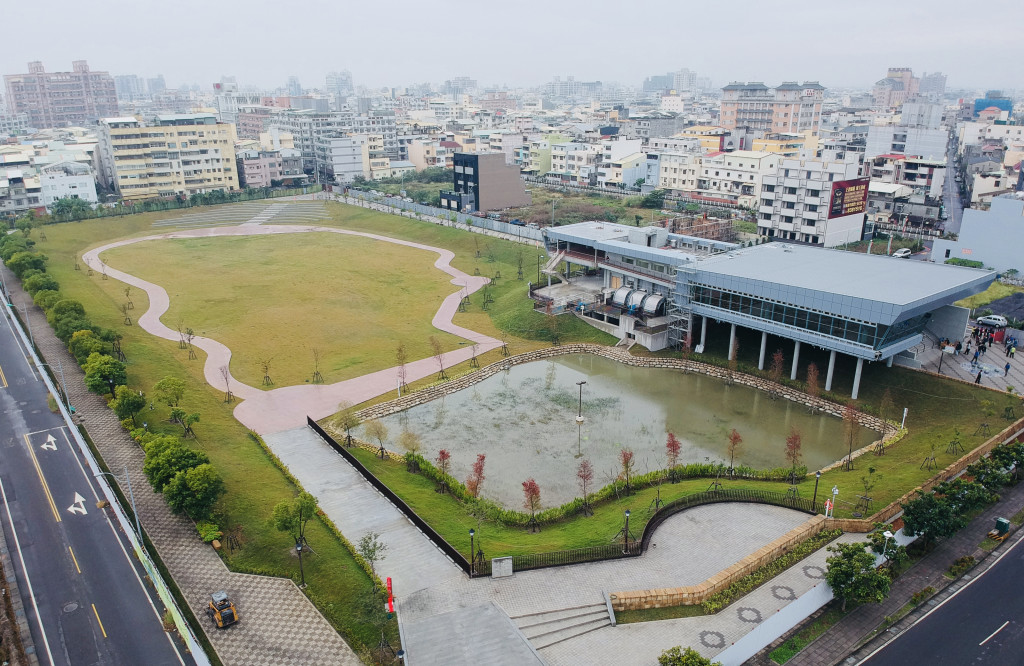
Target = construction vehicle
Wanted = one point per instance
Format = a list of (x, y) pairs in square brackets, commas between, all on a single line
[(221, 610)]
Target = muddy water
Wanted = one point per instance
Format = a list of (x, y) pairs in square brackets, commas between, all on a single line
[(524, 420)]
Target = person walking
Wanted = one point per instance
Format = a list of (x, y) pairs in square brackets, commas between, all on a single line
[(1013, 350), (977, 380), (982, 348), (974, 361), (1006, 369)]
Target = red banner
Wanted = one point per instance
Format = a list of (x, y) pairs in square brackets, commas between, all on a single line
[(849, 197)]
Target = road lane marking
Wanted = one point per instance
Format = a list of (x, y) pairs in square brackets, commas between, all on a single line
[(28, 579), (96, 613), (3, 380), (42, 479), (50, 444), (75, 560), (1001, 627), (78, 506)]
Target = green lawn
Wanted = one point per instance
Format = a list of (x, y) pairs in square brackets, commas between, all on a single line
[(655, 614), (805, 636), (995, 291)]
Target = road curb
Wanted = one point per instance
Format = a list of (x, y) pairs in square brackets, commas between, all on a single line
[(17, 603)]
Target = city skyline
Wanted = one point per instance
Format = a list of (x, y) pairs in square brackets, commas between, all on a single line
[(530, 43)]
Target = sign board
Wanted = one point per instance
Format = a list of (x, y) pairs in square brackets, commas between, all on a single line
[(501, 567), (849, 197)]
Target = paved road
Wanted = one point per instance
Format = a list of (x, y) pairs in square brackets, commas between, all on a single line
[(982, 624), (950, 193), (84, 595)]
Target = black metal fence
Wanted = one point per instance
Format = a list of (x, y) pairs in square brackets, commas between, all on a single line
[(558, 558)]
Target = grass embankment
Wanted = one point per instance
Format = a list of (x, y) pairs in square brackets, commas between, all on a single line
[(939, 410), (995, 291), (805, 636)]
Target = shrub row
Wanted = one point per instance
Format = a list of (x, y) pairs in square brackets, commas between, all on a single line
[(756, 578)]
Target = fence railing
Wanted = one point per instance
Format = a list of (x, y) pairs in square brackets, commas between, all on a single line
[(559, 558)]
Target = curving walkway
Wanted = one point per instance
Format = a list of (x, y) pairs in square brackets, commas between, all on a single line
[(287, 407)]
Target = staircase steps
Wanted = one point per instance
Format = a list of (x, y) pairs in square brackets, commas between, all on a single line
[(551, 627)]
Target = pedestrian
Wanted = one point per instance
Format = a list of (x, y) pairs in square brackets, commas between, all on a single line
[(977, 380), (1007, 350), (968, 350), (982, 347), (974, 361), (956, 350), (1013, 350), (1006, 369)]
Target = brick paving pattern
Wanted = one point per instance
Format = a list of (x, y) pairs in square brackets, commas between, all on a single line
[(279, 625)]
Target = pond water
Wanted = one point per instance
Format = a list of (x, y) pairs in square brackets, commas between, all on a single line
[(524, 420)]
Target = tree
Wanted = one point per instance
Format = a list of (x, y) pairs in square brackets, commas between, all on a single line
[(83, 344), (531, 499), (104, 373), (886, 407), (438, 352), (584, 475), (168, 456), (45, 298), (189, 421), (811, 387), (931, 516), (966, 496), (24, 225), (372, 549), (412, 443), (655, 199), (66, 327), (195, 491), (24, 261), (378, 431), (850, 424), (476, 477), (444, 465), (689, 657), (989, 473), (127, 403), (170, 391), (672, 448), (775, 369), (39, 282), (292, 515), (346, 419), (402, 357), (732, 448), (626, 464), (794, 444), (70, 208), (64, 309), (734, 353), (852, 575)]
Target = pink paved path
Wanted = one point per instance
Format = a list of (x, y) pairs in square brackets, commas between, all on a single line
[(287, 407)]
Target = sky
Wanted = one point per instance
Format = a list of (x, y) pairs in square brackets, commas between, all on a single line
[(525, 43)]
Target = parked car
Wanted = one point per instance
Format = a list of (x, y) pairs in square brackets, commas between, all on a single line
[(993, 320), (902, 253)]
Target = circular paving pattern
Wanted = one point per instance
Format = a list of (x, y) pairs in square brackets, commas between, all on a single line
[(751, 615), (717, 639), (783, 592), (812, 571)]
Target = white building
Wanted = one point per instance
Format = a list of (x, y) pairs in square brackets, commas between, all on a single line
[(918, 141), (735, 177), (677, 171), (341, 158), (814, 200), (67, 180), (574, 162)]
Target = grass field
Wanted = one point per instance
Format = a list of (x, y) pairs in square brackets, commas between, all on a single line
[(280, 297), (995, 291)]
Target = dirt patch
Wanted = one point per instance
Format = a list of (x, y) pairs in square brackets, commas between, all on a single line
[(11, 651)]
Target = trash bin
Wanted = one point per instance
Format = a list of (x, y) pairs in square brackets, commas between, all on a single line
[(1002, 526)]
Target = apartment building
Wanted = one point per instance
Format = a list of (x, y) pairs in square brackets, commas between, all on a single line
[(780, 143), (898, 86), (483, 182), (711, 137), (820, 201), (735, 177), (430, 153), (340, 158), (307, 126), (178, 154), (13, 124), (251, 121), (789, 107), (923, 176), (574, 162), (923, 141), (677, 171), (61, 99), (67, 180), (267, 168), (20, 191)]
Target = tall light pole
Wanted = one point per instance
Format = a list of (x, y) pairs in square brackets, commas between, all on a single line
[(625, 536), (472, 556), (888, 535), (63, 385), (814, 500), (302, 573), (579, 423), (131, 497)]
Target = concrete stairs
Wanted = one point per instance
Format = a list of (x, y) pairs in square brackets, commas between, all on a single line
[(547, 628), (551, 268)]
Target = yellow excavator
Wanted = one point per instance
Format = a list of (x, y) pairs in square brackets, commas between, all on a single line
[(221, 610)]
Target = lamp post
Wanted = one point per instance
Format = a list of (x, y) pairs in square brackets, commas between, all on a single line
[(814, 500), (302, 573), (63, 386), (625, 536), (835, 494), (472, 557), (888, 535), (579, 422), (131, 497)]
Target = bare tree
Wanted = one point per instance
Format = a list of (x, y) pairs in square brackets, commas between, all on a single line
[(181, 333), (127, 317), (794, 444), (402, 357), (732, 448), (476, 477), (811, 387), (317, 377), (438, 351), (226, 375), (672, 448), (850, 433), (128, 295), (584, 475), (412, 444), (347, 419), (626, 463), (775, 371), (378, 431), (473, 363), (265, 366), (189, 336)]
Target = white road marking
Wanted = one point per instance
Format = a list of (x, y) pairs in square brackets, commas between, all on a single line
[(50, 444), (78, 506), (1003, 625)]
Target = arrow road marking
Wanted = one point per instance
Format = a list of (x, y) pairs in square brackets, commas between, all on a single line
[(78, 506), (50, 444)]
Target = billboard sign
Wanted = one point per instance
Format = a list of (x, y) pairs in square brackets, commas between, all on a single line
[(849, 197)]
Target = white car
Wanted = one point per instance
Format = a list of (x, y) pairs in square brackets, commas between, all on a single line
[(997, 321), (902, 253)]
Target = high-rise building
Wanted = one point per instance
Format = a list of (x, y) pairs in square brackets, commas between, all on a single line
[(156, 84), (129, 87), (933, 84), (59, 99), (790, 107), (177, 155), (898, 86), (294, 87), (340, 85)]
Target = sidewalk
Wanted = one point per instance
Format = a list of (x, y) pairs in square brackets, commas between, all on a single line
[(991, 365), (842, 639), (280, 625)]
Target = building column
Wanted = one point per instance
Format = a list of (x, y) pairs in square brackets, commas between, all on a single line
[(703, 331), (732, 340), (831, 367), (796, 359), (888, 361), (764, 345), (856, 379)]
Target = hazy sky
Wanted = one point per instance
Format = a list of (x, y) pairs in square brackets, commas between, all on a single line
[(399, 42)]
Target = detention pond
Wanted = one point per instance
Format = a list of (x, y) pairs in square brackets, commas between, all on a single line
[(524, 420)]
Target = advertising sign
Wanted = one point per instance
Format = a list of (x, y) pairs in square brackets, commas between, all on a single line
[(849, 197)]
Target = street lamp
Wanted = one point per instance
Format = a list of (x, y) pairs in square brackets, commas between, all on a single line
[(63, 385), (888, 535), (472, 558), (131, 497), (302, 573), (625, 537), (835, 493), (814, 500), (579, 423)]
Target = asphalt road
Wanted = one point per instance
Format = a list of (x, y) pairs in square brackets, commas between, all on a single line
[(84, 596), (982, 624)]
